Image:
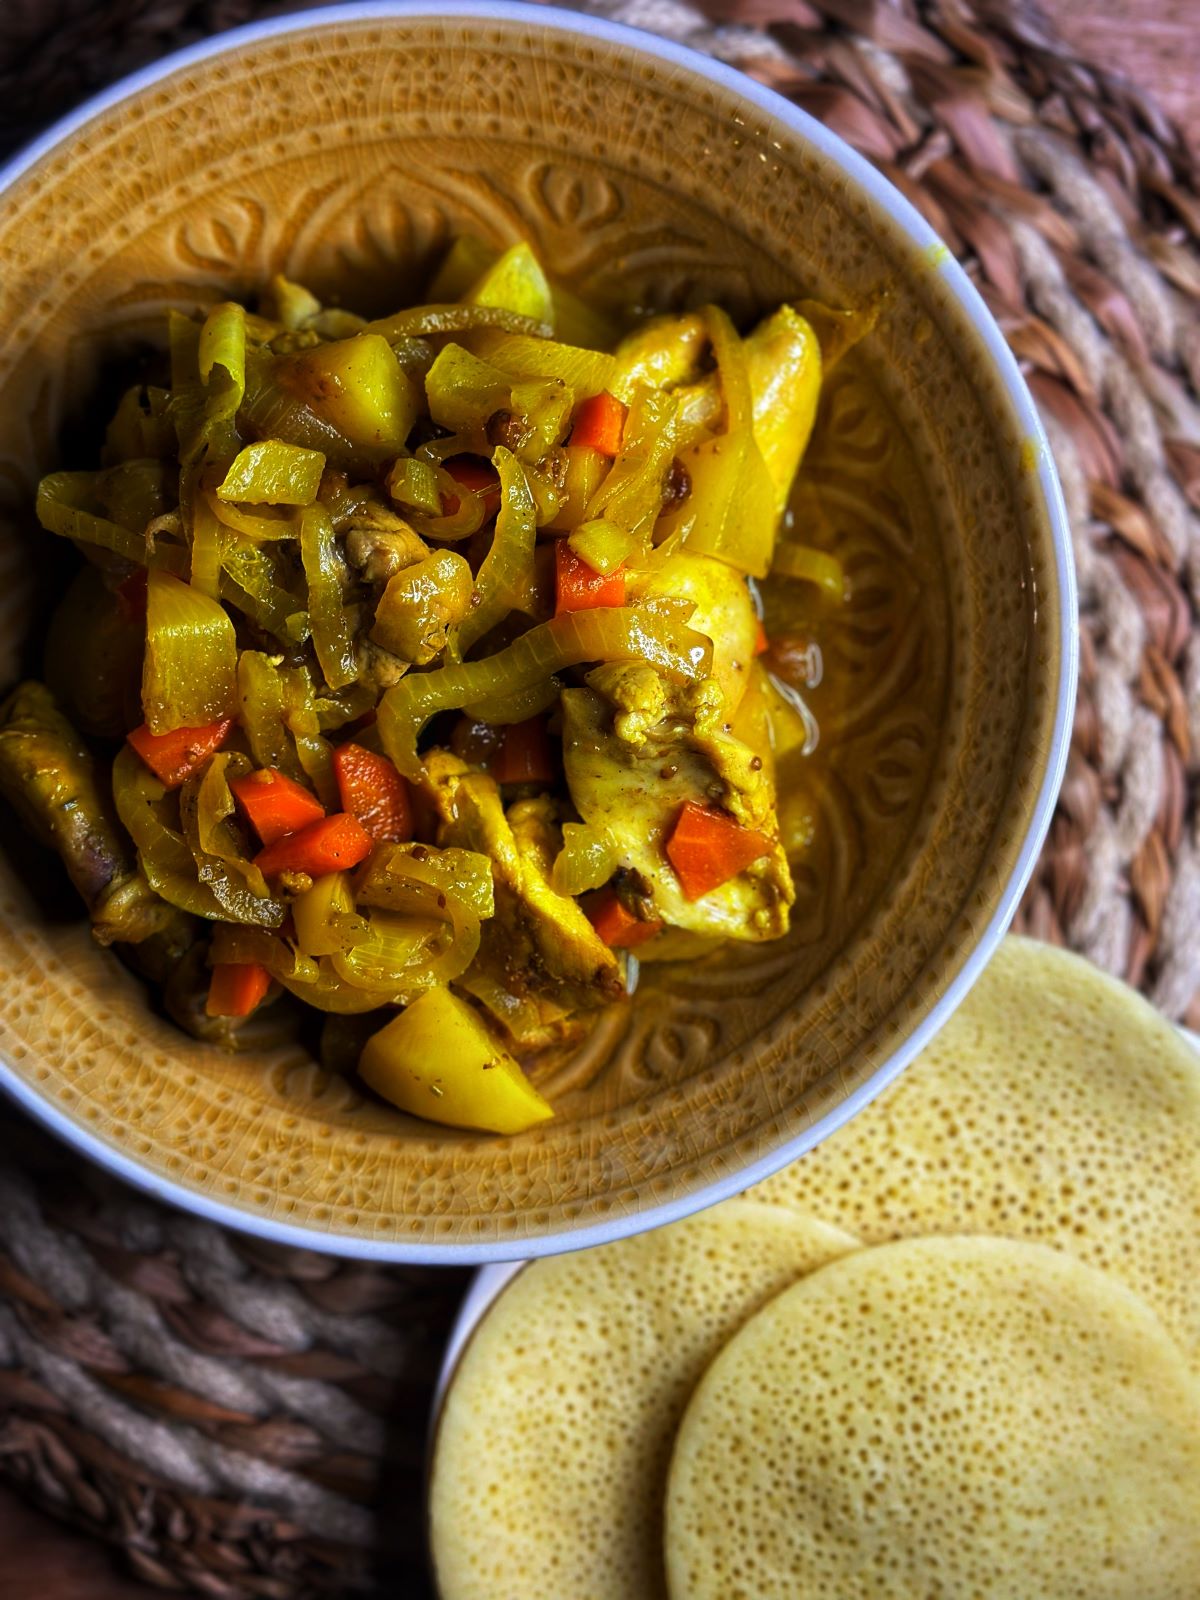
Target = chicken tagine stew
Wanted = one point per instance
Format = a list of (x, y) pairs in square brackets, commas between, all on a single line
[(415, 667)]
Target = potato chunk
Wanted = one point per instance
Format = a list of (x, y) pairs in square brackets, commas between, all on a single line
[(437, 1060)]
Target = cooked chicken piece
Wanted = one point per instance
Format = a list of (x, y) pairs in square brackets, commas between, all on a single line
[(568, 945), (669, 723), (380, 543), (48, 776), (378, 668), (468, 806), (640, 698), (537, 937), (724, 612), (630, 774)]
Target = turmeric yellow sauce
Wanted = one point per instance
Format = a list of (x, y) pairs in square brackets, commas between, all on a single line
[(418, 669)]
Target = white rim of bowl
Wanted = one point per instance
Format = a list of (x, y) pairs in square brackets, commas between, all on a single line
[(889, 199)]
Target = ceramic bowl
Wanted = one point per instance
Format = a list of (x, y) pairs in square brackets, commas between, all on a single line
[(348, 148)]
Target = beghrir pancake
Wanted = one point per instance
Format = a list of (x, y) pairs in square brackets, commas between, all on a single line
[(553, 1444), (1055, 1106), (942, 1417)]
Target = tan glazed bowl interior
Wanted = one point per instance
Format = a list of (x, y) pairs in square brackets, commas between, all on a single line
[(349, 149)]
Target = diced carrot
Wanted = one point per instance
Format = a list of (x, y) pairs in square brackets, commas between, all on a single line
[(131, 596), (332, 844), (525, 754), (579, 587), (616, 924), (235, 988), (761, 643), (479, 477), (373, 792), (599, 423), (707, 848), (173, 757), (275, 804)]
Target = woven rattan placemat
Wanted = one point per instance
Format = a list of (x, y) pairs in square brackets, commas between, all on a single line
[(233, 1417)]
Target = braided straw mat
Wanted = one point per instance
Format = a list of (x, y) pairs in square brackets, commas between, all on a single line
[(232, 1415)]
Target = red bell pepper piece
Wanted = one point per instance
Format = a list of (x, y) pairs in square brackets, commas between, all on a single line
[(373, 792), (616, 924), (235, 988), (707, 848), (173, 757), (275, 805), (600, 423), (332, 844), (525, 754), (579, 587), (480, 477)]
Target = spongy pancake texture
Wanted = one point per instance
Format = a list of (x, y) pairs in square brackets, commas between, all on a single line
[(1055, 1106), (552, 1448), (953, 1418)]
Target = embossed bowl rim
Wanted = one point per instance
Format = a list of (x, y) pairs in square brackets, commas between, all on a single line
[(858, 171)]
